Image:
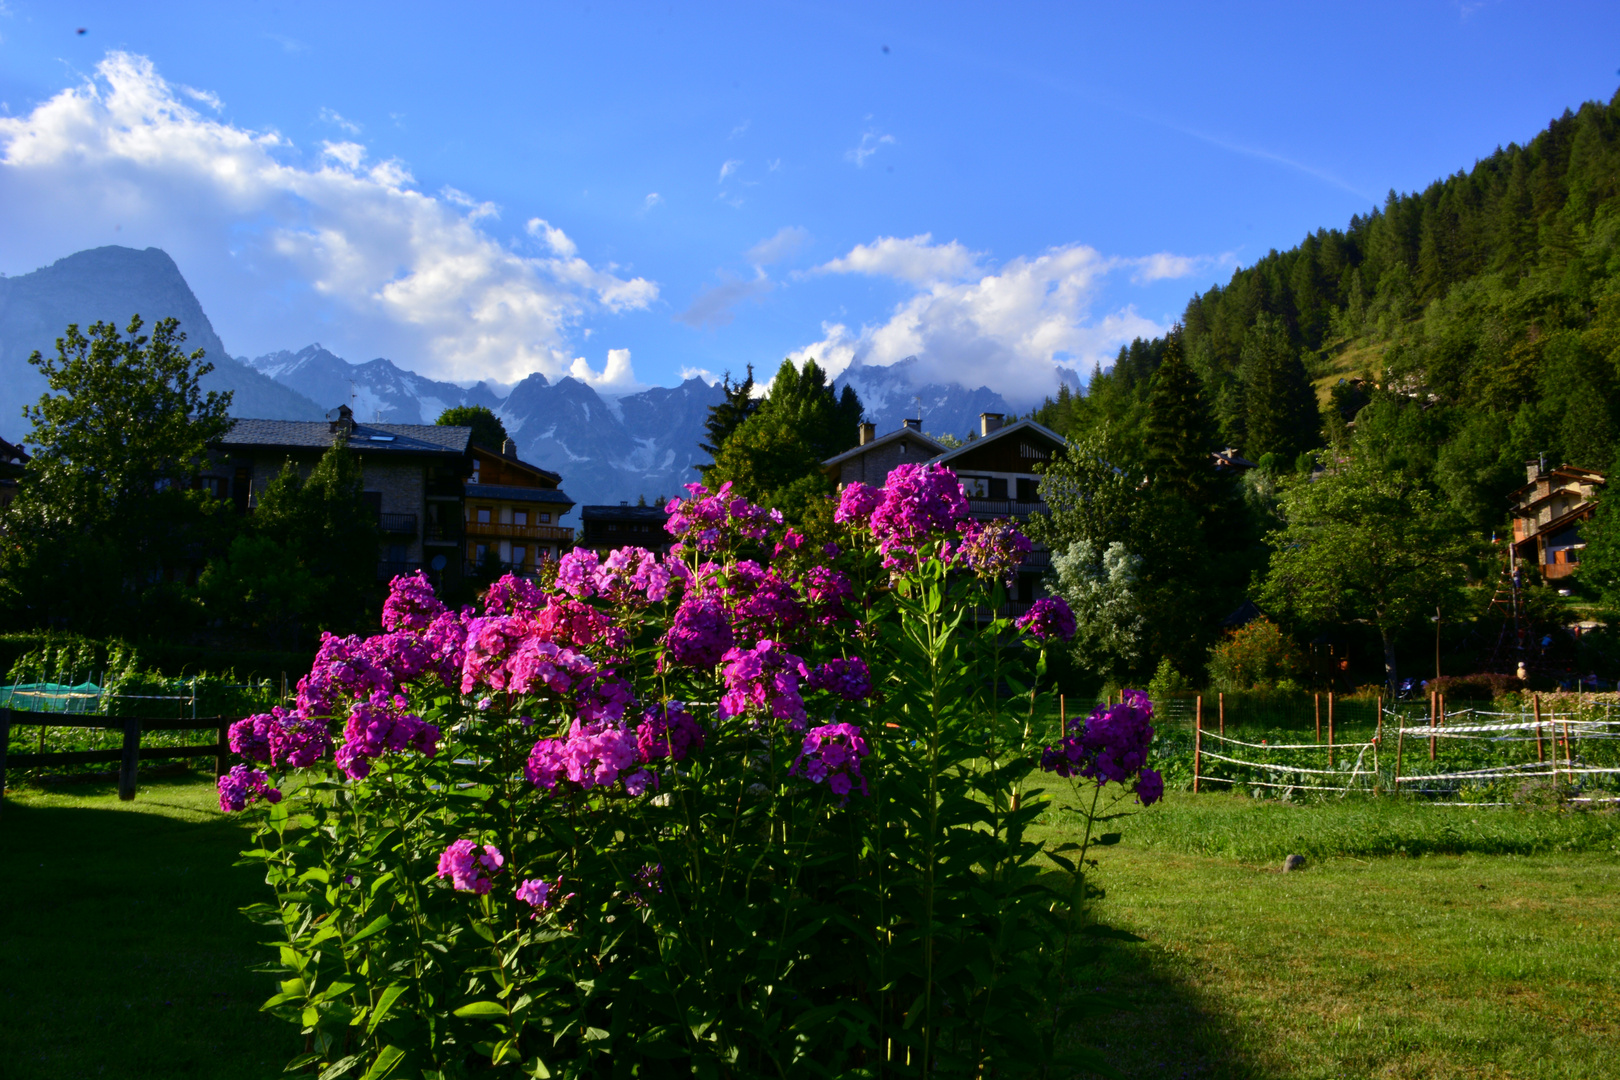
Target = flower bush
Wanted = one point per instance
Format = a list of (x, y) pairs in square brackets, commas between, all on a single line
[(755, 808)]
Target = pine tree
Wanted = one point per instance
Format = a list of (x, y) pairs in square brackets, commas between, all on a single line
[(1179, 434), (1282, 416), (739, 404)]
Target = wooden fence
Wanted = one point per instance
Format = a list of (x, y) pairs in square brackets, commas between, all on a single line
[(128, 756)]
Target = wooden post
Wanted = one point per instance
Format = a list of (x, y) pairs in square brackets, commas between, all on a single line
[(1378, 731), (222, 749), (1220, 700), (131, 758), (1569, 757), (1330, 729), (1434, 702), (1535, 703), (1318, 717), (1400, 737), (1198, 745)]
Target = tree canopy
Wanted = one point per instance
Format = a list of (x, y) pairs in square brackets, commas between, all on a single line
[(487, 428)]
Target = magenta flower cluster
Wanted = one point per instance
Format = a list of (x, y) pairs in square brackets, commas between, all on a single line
[(719, 520), (242, 786), (832, 754), (380, 725), (1110, 747), (536, 892), (701, 634), (994, 550), (592, 755), (845, 677), (1047, 618), (764, 682), (470, 866), (283, 739), (668, 730), (918, 503)]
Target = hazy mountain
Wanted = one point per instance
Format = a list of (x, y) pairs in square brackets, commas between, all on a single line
[(377, 390), (111, 284), (890, 394)]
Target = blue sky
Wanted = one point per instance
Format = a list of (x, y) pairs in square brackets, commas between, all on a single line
[(636, 192)]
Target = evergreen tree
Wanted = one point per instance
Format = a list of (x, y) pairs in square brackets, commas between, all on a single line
[(1179, 434), (739, 404), (1281, 406), (487, 429)]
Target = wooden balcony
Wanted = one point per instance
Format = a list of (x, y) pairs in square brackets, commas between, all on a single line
[(985, 509), (397, 524), (503, 531)]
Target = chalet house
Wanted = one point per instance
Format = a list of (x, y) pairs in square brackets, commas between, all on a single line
[(512, 512), (603, 528), (413, 476), (1546, 512), (874, 457)]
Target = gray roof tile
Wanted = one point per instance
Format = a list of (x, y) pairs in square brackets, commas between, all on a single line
[(367, 438)]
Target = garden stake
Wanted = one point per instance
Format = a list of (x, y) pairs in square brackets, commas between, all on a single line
[(1535, 702), (1378, 732), (1318, 717), (1220, 699), (1330, 729), (1434, 701), (1569, 758), (1198, 744), (1400, 737)]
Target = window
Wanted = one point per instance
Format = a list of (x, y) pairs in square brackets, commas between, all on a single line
[(475, 471), (613, 526), (373, 501), (396, 553), (545, 519), (978, 487), (520, 555), (484, 515), (520, 517), (479, 552), (1028, 490), (998, 488)]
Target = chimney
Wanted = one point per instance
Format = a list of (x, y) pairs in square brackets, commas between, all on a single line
[(509, 448), (341, 421), (990, 421), (912, 425), (1533, 469), (867, 431)]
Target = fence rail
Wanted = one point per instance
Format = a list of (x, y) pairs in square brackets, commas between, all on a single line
[(128, 756)]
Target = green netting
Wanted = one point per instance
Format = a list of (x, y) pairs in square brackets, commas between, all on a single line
[(83, 698)]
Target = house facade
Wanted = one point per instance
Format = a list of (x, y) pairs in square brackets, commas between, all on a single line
[(512, 510), (873, 457), (603, 528), (413, 476), (1547, 513)]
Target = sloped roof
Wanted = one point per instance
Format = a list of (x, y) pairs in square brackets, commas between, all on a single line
[(1025, 426), (513, 459), (512, 493), (623, 513), (903, 434), (365, 438)]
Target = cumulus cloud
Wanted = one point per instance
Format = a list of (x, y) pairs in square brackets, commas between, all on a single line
[(785, 244), (282, 245), (918, 260), (616, 378), (1008, 329)]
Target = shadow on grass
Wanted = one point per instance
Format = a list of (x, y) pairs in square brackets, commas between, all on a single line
[(122, 949)]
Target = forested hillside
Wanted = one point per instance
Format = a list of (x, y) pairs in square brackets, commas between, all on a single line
[(1483, 313)]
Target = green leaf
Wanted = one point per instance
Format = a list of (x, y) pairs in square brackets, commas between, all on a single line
[(484, 1010), (339, 1067), (387, 1061), (380, 923), (384, 1003)]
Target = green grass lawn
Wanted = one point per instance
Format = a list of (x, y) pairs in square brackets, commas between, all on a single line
[(122, 953)]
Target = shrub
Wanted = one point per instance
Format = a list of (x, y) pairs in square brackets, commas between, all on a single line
[(754, 809), (1481, 687), (1255, 656)]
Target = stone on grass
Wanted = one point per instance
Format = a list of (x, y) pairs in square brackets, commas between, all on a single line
[(1293, 862)]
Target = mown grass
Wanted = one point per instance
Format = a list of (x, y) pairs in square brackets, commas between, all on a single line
[(1419, 942), (122, 950)]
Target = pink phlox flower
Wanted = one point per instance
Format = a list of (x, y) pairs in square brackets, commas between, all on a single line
[(539, 665), (765, 605), (490, 643), (919, 501), (576, 573), (242, 786), (379, 726), (512, 595), (402, 655), (828, 589), (649, 882), (591, 755), (831, 754), (848, 678), (342, 670), (1109, 746), (470, 866), (446, 640), (668, 731), (994, 550), (763, 681), (281, 738), (1049, 617), (606, 697), (700, 633), (791, 541), (536, 893), (411, 604), (250, 736), (570, 622), (633, 576), (718, 519), (831, 550), (856, 503)]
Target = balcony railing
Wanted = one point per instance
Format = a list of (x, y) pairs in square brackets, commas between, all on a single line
[(435, 533), (401, 524), (1000, 508), (519, 532), (388, 571)]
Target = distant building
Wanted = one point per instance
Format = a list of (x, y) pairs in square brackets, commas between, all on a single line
[(1546, 514), (1229, 462), (412, 473), (12, 461), (873, 457), (603, 528), (512, 511)]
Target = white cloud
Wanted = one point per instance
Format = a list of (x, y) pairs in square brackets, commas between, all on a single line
[(333, 117), (616, 378), (918, 260), (786, 243), (281, 248), (740, 130), (205, 97), (730, 166), (871, 142), (1007, 330), (713, 307), (653, 199), (699, 373), (1166, 266)]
